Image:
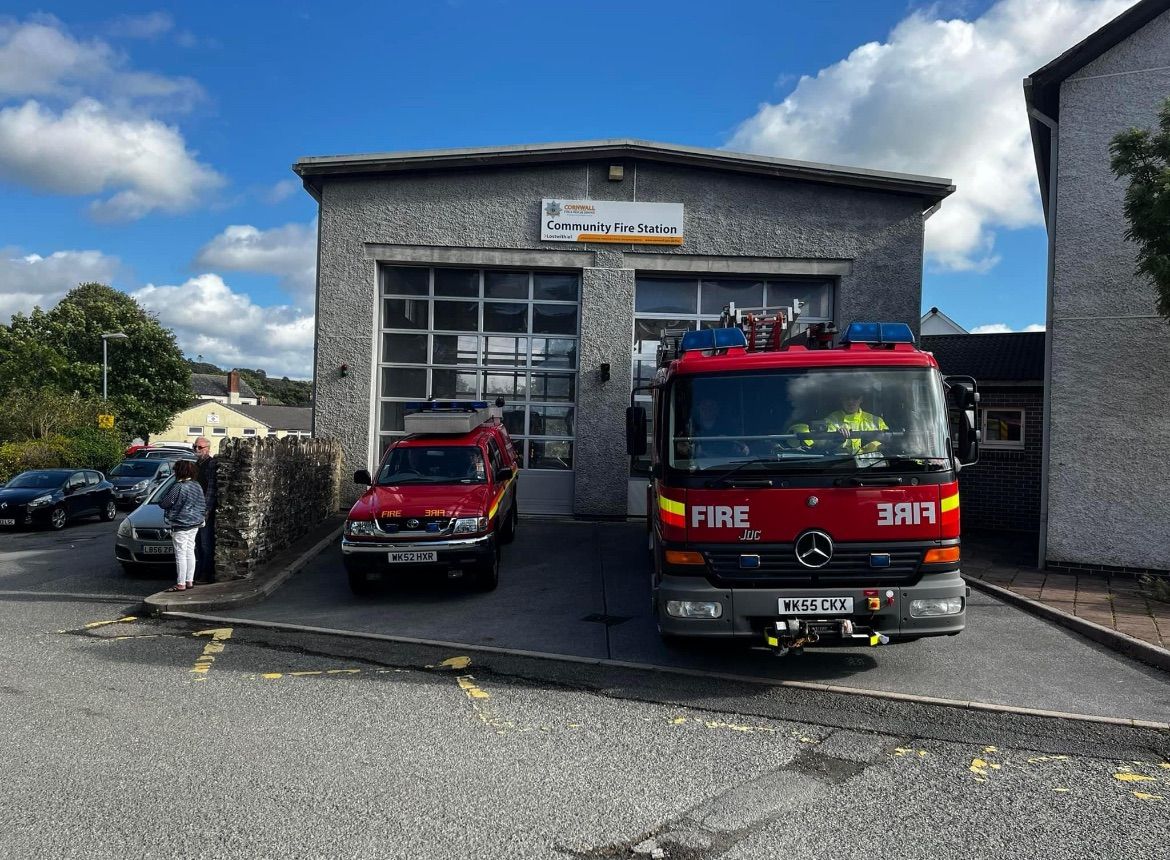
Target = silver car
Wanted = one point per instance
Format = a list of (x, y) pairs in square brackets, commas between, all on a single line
[(143, 544)]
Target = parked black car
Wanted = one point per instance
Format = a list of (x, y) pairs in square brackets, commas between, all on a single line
[(134, 479), (52, 497)]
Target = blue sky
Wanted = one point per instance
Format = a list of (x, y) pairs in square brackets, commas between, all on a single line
[(149, 145)]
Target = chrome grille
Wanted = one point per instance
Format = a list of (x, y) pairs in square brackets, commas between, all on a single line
[(426, 525), (152, 534)]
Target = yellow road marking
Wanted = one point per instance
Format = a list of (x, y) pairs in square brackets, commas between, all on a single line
[(1133, 777), (982, 768), (467, 685), (902, 752), (203, 662), (123, 620), (1061, 789), (1141, 795), (1036, 759)]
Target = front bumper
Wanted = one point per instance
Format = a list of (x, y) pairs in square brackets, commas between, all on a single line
[(374, 556), (748, 612), (130, 498), (23, 516), (134, 550)]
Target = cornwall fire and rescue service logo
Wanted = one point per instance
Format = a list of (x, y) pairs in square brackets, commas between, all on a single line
[(553, 209), (814, 549)]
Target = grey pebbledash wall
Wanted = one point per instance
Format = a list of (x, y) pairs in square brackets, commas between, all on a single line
[(271, 492), (869, 240), (1108, 468)]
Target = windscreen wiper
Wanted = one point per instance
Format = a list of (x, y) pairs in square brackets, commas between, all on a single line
[(766, 461)]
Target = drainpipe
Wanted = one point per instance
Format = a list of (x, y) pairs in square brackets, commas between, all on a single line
[(1046, 431)]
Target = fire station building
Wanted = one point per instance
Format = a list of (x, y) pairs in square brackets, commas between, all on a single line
[(543, 275)]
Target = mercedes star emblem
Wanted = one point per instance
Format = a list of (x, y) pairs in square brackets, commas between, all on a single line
[(814, 549), (412, 524)]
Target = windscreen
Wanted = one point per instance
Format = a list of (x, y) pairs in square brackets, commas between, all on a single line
[(37, 481), (441, 464), (135, 469), (808, 419)]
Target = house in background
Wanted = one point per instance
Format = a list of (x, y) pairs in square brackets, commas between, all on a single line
[(217, 420), (1002, 491), (1104, 504), (935, 322), (221, 388)]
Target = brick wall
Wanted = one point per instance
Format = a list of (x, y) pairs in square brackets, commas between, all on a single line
[(1002, 491), (271, 492)]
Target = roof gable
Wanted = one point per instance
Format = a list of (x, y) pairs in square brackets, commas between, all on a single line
[(315, 169)]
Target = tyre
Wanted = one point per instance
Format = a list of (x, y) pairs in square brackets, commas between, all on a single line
[(108, 512), (508, 532), (487, 576), (57, 519), (359, 584)]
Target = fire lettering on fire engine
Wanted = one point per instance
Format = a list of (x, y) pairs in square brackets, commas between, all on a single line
[(905, 513), (720, 516)]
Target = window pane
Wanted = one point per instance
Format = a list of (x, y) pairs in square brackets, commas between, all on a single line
[(554, 352), (554, 319), (666, 296), (391, 417), (456, 282), (511, 351), (550, 455), (550, 421), (553, 386), (406, 313), (1004, 425), (817, 297), (453, 384), (498, 316), (510, 386), (648, 332), (404, 382), (457, 316), (456, 349), (556, 288), (505, 285), (513, 418), (404, 348), (745, 294), (405, 281)]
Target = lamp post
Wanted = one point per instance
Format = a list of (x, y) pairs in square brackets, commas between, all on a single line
[(106, 338)]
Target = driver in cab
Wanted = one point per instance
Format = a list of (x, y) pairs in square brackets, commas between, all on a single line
[(851, 419)]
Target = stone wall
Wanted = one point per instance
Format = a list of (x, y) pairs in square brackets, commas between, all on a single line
[(271, 492)]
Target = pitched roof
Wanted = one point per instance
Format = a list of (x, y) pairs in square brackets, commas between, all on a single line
[(1008, 357), (280, 417), (314, 169), (216, 385), (947, 322), (1042, 87)]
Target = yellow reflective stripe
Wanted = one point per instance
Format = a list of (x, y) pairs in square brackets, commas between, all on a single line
[(671, 506), (949, 503), (499, 497)]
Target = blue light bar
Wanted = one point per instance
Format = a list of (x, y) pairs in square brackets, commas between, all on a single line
[(877, 332), (445, 405), (713, 338)]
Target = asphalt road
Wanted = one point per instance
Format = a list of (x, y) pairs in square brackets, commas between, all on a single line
[(146, 738), (582, 589)]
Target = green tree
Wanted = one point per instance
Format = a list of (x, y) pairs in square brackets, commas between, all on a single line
[(1142, 157), (61, 349)]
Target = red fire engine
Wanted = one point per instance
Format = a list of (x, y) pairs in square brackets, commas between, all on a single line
[(804, 491)]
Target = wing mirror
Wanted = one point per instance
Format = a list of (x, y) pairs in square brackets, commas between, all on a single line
[(504, 474), (635, 430), (362, 476)]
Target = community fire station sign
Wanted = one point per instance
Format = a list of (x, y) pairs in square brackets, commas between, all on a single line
[(611, 221)]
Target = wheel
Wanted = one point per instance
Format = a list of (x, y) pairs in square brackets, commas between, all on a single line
[(359, 584), (487, 577), (108, 512), (57, 519), (508, 533)]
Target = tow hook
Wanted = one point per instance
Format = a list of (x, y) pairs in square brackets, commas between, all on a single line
[(791, 635)]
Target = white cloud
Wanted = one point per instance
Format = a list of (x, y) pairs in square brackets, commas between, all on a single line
[(148, 26), (1004, 328), (89, 150), (226, 327), (289, 252), (942, 98), (280, 191), (29, 280)]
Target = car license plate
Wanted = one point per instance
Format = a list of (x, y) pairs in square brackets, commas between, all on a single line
[(7, 522), (413, 556), (816, 605), (158, 550)]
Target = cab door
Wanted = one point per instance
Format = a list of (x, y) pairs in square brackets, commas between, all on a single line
[(77, 500), (498, 462)]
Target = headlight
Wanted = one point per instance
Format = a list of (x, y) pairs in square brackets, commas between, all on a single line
[(124, 528), (141, 485), (40, 501), (470, 525), (936, 606), (359, 527)]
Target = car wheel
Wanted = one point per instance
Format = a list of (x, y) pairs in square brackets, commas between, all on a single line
[(508, 534), (487, 576), (57, 519), (359, 584), (109, 511)]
